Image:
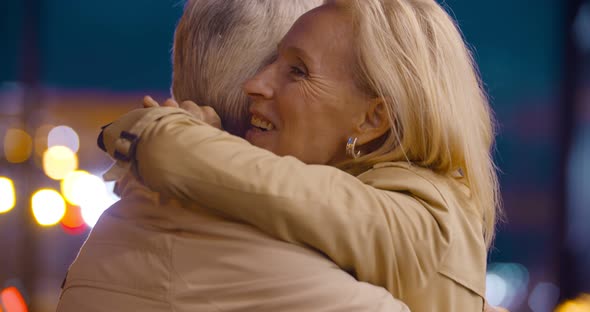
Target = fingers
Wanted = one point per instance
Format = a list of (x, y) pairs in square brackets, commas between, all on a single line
[(148, 101), (204, 113), (193, 109), (170, 103), (211, 116)]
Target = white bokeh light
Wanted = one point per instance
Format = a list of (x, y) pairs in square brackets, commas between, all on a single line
[(79, 187), (48, 207), (64, 136), (97, 198), (496, 289), (91, 211), (507, 284)]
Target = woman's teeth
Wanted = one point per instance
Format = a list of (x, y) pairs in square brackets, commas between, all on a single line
[(260, 123)]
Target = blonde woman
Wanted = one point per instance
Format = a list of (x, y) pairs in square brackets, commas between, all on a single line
[(370, 141), (148, 253)]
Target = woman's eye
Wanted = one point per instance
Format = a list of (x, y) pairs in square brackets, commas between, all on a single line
[(297, 71)]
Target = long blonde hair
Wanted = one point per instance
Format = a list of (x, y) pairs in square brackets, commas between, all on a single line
[(412, 55)]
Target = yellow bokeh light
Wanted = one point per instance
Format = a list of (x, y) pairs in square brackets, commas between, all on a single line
[(48, 207), (7, 195), (72, 186), (582, 304), (58, 161), (18, 146)]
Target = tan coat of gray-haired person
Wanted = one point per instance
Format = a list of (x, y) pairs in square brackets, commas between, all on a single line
[(148, 253)]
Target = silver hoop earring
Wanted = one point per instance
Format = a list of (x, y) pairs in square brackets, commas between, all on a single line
[(350, 148)]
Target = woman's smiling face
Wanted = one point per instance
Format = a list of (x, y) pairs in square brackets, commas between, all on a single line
[(307, 100)]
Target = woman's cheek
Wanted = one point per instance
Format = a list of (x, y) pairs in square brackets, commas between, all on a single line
[(316, 88)]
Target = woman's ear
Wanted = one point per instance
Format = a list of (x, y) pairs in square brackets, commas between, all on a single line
[(375, 122)]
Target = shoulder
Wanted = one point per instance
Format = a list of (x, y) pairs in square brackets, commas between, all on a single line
[(444, 196), (402, 177), (448, 202)]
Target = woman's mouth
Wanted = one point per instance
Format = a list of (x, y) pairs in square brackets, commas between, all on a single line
[(262, 132), (261, 123)]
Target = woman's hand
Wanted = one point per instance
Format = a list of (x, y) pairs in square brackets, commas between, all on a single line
[(204, 113)]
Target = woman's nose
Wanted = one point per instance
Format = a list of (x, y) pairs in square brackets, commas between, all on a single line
[(260, 86)]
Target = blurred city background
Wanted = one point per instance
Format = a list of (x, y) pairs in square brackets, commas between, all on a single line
[(68, 67)]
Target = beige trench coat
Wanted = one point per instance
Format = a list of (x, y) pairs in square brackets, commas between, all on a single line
[(149, 254), (416, 233)]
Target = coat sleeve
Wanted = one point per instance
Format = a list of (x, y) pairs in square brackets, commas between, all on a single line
[(381, 237)]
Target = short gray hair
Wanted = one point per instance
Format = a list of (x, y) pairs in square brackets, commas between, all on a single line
[(219, 44)]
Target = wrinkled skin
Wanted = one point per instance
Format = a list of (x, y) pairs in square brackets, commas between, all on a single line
[(308, 93)]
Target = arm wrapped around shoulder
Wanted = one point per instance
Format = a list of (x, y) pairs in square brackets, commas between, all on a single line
[(381, 234)]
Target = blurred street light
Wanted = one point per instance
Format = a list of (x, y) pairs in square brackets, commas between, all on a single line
[(64, 136), (582, 304), (7, 195), (58, 161), (48, 207), (97, 199), (12, 300), (74, 186), (18, 146)]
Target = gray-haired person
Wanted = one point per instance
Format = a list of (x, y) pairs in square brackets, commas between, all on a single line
[(149, 253)]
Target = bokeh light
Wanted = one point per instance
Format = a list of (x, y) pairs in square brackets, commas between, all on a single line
[(18, 146), (12, 300), (7, 195), (64, 136), (100, 199), (496, 289), (92, 211), (74, 186), (72, 222), (58, 161), (48, 206), (544, 297), (581, 304), (82, 188), (507, 284)]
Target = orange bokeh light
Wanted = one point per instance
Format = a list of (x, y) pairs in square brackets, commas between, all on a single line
[(73, 217), (580, 304), (72, 222), (12, 300), (18, 146)]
